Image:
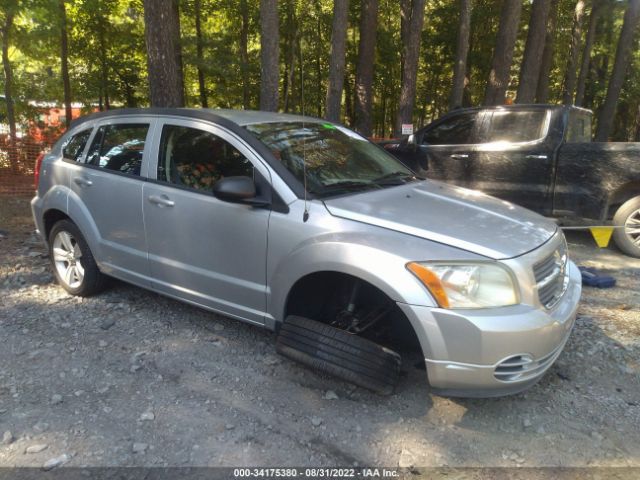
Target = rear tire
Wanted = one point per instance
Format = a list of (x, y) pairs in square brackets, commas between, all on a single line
[(73, 263), (627, 235), (344, 355)]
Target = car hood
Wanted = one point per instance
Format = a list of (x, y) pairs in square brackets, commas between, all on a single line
[(447, 214)]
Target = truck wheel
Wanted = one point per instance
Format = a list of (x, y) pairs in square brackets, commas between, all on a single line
[(73, 263), (627, 236), (334, 351)]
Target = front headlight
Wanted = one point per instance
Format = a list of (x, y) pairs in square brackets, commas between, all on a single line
[(475, 285)]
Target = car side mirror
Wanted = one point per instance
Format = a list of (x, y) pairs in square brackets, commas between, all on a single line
[(234, 189), (409, 145)]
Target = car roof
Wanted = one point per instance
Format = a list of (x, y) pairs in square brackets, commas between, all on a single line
[(519, 106)]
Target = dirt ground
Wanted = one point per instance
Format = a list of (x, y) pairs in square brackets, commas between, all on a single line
[(131, 378)]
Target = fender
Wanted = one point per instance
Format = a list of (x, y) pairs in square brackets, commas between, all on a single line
[(80, 215)]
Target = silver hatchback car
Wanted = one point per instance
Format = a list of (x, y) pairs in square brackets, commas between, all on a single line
[(306, 228)]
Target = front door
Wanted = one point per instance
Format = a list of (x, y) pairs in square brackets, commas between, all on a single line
[(202, 249)]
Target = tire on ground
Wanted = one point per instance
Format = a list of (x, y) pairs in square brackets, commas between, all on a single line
[(94, 281), (620, 237), (344, 355)]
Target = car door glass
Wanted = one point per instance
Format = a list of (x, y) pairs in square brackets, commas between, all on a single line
[(119, 147), (74, 147), (516, 127), (197, 159), (457, 130)]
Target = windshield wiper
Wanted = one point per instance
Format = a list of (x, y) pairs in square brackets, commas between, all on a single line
[(396, 178), (345, 186)]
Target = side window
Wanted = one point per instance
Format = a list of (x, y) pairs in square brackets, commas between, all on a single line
[(516, 127), (579, 127), (73, 148), (457, 130), (119, 147), (197, 159)]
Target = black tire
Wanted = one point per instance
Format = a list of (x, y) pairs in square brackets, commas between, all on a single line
[(344, 355), (628, 211), (93, 280)]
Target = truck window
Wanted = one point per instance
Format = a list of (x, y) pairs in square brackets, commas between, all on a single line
[(457, 130), (516, 127), (579, 127)]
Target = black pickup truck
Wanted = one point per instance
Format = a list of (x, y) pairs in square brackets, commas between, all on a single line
[(537, 156)]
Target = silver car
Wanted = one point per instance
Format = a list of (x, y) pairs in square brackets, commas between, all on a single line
[(304, 227)]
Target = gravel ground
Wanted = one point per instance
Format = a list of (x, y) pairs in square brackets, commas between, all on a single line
[(131, 378)]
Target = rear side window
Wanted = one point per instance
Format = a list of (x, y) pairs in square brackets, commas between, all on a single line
[(458, 130), (579, 127), (197, 159), (74, 147), (516, 127), (119, 147)]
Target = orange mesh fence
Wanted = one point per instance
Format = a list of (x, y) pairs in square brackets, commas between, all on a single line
[(17, 163)]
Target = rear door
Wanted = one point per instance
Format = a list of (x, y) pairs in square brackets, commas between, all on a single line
[(449, 147), (515, 158), (202, 249), (109, 185)]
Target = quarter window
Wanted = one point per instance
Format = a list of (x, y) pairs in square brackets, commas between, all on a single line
[(197, 159), (74, 147), (516, 127), (119, 147), (457, 130)]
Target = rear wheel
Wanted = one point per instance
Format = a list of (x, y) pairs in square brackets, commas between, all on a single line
[(627, 233), (73, 263), (337, 352)]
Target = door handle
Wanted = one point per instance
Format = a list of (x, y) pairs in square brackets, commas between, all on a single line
[(538, 157), (459, 155), (82, 182), (161, 200)]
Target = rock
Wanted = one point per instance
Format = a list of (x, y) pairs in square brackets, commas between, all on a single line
[(540, 430), (135, 368), (56, 399), (79, 393), (316, 421), (218, 327), (56, 462), (37, 448), (107, 323), (139, 447), (330, 395), (596, 436), (229, 426), (147, 416), (526, 423), (7, 438), (271, 360), (102, 344)]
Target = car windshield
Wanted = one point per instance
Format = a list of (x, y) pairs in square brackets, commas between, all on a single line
[(337, 160)]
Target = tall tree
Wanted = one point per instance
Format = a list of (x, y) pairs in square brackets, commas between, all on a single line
[(364, 66), (269, 55), (200, 54), (244, 53), (337, 59), (64, 60), (412, 20), (623, 52), (6, 28), (574, 52), (534, 48), (596, 6), (164, 59), (503, 53), (546, 62), (462, 51)]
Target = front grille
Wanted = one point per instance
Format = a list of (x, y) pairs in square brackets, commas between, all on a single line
[(523, 367), (552, 277)]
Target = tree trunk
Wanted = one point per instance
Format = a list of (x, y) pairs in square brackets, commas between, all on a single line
[(64, 59), (8, 88), (623, 52), (531, 62), (104, 67), (503, 53), (200, 56), (364, 66), (269, 55), (164, 59), (542, 90), (586, 53), (572, 62), (337, 59), (244, 53), (462, 52), (413, 20)]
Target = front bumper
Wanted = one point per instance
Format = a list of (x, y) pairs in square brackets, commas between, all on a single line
[(463, 348)]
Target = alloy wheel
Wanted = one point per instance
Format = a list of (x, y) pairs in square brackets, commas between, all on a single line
[(67, 259)]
